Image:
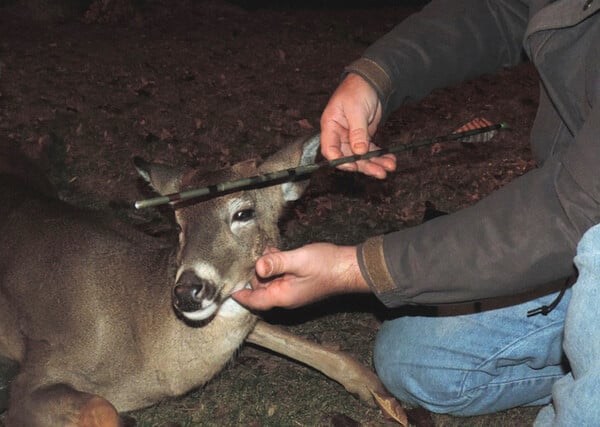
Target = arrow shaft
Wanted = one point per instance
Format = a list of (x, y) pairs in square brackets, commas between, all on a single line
[(299, 171)]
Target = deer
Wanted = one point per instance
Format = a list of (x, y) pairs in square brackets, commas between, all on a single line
[(102, 318)]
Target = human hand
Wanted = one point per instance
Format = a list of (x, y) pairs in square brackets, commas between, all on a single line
[(298, 277), (348, 122)]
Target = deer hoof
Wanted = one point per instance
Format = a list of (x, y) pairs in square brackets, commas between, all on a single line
[(98, 412)]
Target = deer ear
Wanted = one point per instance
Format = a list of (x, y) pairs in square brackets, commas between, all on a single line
[(300, 152), (245, 168), (162, 178)]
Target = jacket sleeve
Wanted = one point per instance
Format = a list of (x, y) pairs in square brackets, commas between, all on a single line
[(445, 43), (517, 239)]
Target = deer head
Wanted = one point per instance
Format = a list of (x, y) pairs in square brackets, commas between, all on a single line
[(221, 238)]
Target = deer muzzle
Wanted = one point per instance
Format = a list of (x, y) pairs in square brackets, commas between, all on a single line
[(195, 298)]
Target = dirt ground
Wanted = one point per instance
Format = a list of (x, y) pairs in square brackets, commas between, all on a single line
[(211, 83)]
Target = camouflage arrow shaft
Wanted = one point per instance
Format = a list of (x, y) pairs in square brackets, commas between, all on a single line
[(289, 174)]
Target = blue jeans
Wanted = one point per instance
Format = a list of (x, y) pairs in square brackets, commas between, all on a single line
[(498, 359), (575, 397)]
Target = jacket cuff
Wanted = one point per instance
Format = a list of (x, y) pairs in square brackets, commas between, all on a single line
[(371, 260), (375, 75)]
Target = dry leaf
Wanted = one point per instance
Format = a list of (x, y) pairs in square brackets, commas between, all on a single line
[(390, 407), (304, 124), (165, 134), (436, 148)]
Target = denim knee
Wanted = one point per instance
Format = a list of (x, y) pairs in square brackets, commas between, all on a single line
[(474, 364), (414, 373)]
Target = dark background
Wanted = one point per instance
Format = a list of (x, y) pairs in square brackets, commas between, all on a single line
[(85, 86)]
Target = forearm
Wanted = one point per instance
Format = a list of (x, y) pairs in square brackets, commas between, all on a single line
[(447, 42)]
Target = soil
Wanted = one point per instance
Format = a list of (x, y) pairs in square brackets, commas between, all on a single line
[(211, 83)]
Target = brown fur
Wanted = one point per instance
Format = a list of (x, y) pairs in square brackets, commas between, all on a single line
[(86, 309), (85, 302)]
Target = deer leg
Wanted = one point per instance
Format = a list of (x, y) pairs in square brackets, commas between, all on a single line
[(337, 365), (58, 405)]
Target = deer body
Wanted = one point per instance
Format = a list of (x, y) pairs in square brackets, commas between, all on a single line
[(102, 318), (82, 293)]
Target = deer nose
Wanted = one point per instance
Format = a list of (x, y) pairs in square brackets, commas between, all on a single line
[(190, 290)]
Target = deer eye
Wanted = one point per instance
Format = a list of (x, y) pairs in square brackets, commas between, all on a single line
[(243, 215)]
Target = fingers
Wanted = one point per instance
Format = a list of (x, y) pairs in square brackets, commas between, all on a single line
[(346, 118), (333, 137), (378, 167), (278, 292), (275, 262), (387, 162), (358, 134), (272, 263), (276, 282), (254, 299), (344, 123), (348, 121)]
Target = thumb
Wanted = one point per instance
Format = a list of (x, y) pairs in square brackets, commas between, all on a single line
[(358, 134), (271, 264)]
